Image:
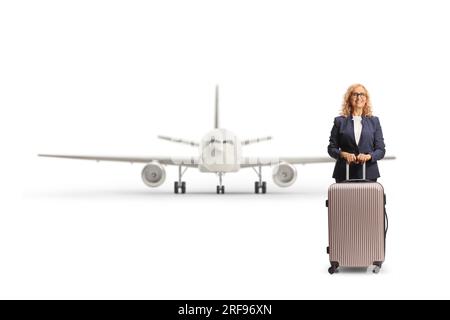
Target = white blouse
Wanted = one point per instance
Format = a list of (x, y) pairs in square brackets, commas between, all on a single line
[(357, 124)]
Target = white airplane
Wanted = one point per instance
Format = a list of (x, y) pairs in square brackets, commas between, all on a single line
[(219, 153)]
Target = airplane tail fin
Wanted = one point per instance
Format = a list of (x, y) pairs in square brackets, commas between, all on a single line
[(178, 140), (250, 141), (216, 116)]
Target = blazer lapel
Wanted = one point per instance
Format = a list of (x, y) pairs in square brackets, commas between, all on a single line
[(364, 126), (351, 127)]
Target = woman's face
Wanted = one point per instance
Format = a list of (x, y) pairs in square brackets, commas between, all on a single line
[(358, 98)]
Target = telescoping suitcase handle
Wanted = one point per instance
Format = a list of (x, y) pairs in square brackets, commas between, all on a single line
[(347, 172)]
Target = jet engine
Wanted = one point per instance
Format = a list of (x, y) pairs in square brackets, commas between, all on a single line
[(284, 174), (153, 174)]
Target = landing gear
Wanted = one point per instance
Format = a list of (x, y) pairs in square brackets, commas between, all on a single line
[(220, 187), (260, 185), (180, 185), (333, 268)]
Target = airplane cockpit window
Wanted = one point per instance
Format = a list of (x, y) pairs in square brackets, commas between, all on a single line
[(214, 141)]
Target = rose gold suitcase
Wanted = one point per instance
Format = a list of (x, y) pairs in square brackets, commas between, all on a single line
[(357, 224)]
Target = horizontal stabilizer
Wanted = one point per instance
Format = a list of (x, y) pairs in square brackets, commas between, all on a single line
[(250, 141), (192, 143)]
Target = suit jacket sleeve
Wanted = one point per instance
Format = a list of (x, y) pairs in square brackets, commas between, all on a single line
[(379, 148), (333, 147)]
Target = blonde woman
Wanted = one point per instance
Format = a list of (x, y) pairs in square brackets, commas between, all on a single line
[(356, 136)]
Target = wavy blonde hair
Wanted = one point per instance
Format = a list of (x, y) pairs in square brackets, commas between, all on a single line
[(347, 106)]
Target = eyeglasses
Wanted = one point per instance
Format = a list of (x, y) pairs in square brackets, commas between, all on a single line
[(358, 94)]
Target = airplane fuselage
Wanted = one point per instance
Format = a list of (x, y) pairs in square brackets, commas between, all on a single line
[(220, 151)]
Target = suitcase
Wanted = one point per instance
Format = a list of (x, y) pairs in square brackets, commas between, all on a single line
[(357, 223)]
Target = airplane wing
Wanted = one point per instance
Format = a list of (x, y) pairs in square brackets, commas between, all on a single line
[(248, 162), (175, 161)]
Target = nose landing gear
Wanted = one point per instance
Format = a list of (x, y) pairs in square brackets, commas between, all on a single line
[(220, 188)]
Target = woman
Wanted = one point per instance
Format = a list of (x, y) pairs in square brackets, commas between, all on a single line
[(356, 136)]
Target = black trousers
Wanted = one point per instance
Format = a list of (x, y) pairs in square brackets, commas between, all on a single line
[(339, 181)]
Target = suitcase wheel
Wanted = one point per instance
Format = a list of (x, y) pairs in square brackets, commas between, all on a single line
[(377, 266), (333, 268)]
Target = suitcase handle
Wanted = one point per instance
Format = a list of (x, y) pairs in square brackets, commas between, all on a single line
[(347, 172)]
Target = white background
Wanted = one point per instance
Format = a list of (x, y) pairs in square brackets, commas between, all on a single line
[(106, 77)]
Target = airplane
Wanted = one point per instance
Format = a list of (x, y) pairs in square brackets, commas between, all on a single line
[(220, 152)]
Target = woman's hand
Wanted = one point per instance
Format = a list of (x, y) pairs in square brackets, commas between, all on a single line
[(349, 157), (361, 158)]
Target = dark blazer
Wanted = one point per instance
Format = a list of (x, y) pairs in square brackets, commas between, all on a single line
[(342, 138)]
